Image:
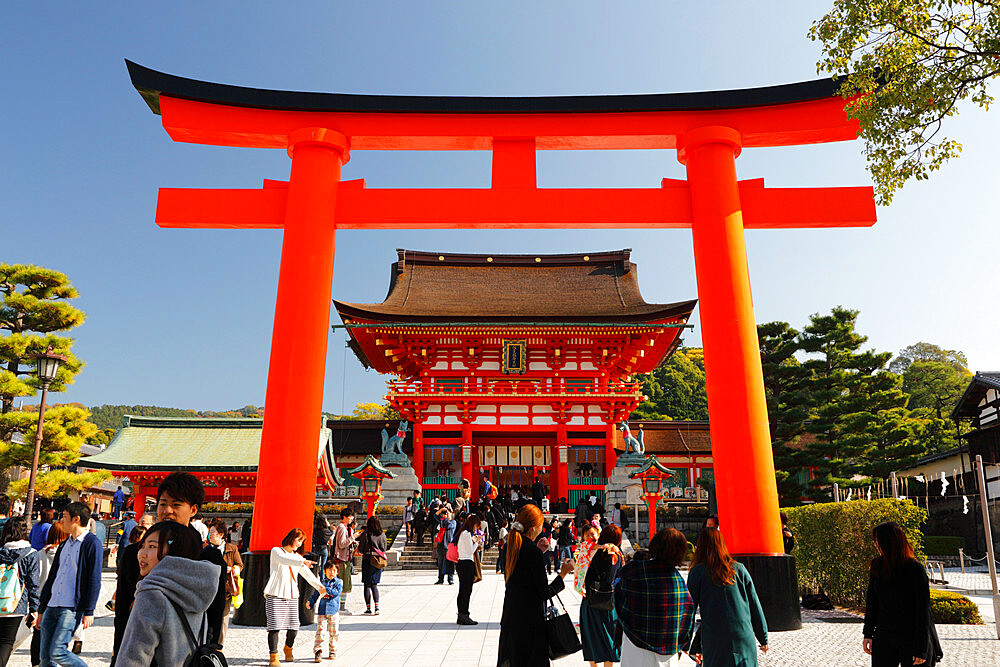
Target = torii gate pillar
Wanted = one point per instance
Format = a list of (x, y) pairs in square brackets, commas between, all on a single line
[(296, 371), (745, 484)]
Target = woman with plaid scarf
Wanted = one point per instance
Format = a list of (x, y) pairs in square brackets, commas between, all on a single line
[(653, 604)]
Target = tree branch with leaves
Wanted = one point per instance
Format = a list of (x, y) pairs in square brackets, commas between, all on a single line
[(906, 66)]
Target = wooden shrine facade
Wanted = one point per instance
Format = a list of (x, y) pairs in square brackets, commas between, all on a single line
[(514, 367), (979, 406)]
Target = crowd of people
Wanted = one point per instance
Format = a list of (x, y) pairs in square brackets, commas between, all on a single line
[(177, 577)]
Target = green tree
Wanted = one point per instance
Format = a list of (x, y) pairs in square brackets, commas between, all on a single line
[(928, 352), (934, 385), (840, 371), (906, 65), (66, 427), (676, 389), (786, 383), (34, 306), (933, 377)]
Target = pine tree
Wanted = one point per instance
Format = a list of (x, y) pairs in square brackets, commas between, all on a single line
[(788, 405), (66, 427), (34, 307)]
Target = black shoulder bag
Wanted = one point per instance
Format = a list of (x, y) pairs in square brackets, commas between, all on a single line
[(560, 633), (598, 597), (205, 655)]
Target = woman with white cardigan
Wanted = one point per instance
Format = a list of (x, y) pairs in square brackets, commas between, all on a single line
[(468, 543), (281, 595)]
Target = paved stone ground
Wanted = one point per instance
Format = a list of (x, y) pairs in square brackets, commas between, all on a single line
[(417, 628)]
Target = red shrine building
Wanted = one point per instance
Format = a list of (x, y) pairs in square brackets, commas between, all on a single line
[(514, 367)]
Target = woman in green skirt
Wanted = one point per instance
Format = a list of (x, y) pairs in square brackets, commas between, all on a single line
[(599, 629)]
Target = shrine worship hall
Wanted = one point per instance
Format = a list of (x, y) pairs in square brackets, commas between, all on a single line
[(514, 367)]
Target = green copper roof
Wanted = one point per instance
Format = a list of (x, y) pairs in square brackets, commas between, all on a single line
[(371, 461), (651, 462), (189, 444)]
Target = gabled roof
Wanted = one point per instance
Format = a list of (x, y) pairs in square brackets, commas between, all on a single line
[(189, 444), (373, 463), (671, 437), (651, 464), (968, 405), (448, 287)]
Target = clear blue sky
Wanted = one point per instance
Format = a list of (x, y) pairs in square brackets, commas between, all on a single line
[(182, 317)]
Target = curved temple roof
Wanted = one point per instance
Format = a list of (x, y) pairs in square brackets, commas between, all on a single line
[(151, 84), (450, 287)]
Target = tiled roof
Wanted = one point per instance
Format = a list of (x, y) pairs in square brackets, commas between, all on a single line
[(670, 437), (364, 436), (183, 443), (429, 287), (968, 405)]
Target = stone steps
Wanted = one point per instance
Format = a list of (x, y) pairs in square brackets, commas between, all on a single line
[(422, 557)]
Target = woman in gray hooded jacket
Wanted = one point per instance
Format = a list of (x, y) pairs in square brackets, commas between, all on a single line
[(172, 575)]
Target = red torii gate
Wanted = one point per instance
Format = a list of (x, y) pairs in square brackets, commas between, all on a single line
[(319, 130)]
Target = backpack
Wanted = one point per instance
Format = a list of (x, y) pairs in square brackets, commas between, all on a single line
[(205, 655), (10, 588)]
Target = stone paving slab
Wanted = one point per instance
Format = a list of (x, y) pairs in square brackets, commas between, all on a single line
[(417, 628)]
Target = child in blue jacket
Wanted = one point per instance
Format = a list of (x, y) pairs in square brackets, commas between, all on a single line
[(327, 611)]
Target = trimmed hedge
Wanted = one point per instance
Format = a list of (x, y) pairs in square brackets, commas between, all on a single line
[(943, 545), (955, 608), (833, 543)]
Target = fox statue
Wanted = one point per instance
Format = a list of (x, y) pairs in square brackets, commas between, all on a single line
[(632, 444), (394, 444)]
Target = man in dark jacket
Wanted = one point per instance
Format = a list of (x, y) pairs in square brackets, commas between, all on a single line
[(537, 491), (69, 595), (322, 532)]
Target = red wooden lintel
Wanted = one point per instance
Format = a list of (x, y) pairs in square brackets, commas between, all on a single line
[(669, 206)]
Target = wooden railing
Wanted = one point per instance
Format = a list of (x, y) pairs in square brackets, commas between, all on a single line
[(588, 481), (439, 480), (477, 385)]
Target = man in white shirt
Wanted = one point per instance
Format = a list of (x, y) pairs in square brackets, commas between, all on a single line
[(202, 529)]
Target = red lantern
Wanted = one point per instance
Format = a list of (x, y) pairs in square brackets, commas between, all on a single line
[(652, 474)]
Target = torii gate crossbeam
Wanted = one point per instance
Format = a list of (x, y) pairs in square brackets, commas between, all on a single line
[(708, 130)]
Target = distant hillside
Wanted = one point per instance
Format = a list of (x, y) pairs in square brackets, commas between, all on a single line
[(110, 416)]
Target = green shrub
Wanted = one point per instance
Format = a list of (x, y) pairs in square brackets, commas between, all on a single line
[(833, 543), (222, 508), (943, 545), (952, 607)]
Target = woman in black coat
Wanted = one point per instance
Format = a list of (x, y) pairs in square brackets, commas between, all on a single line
[(898, 628), (522, 626)]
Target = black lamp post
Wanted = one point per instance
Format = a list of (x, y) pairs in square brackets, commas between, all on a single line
[(47, 366)]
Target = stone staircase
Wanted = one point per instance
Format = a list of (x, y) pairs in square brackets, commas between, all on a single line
[(422, 558)]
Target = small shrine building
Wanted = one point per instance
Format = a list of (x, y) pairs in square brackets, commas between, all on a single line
[(516, 367), (221, 452)]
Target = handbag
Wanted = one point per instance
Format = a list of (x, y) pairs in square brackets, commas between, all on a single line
[(559, 632), (600, 600), (479, 567), (238, 598), (376, 557), (452, 553), (232, 584)]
